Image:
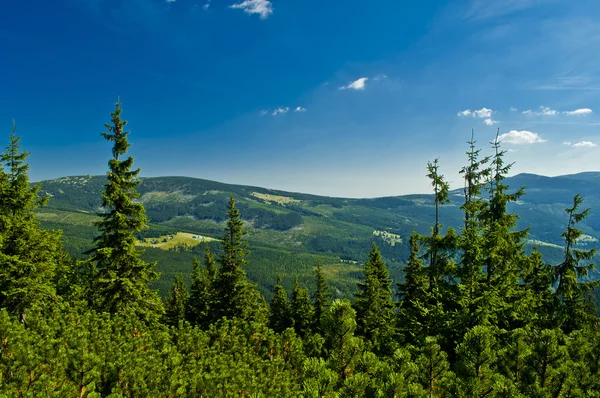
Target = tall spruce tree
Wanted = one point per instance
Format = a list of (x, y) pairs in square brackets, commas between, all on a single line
[(280, 317), (503, 252), (572, 304), (176, 302), (321, 299), (237, 298), (203, 296), (373, 303), (413, 295), (121, 277), (29, 256), (439, 252), (470, 244), (302, 310)]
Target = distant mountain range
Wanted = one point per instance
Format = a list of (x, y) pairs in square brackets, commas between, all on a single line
[(288, 233)]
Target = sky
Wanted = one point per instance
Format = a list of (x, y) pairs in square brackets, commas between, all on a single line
[(346, 98)]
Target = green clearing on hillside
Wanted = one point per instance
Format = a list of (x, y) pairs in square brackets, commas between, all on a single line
[(170, 242)]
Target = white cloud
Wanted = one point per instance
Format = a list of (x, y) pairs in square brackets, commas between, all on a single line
[(578, 112), (584, 144), (380, 77), (281, 111), (483, 113), (170, 1), (207, 5), (568, 143), (300, 109), (358, 84), (544, 111), (264, 8), (520, 137), (513, 109), (490, 122), (263, 112)]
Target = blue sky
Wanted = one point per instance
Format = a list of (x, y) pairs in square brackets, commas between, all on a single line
[(344, 98)]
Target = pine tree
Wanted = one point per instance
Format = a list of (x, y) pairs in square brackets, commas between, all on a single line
[(176, 302), (470, 244), (302, 310), (413, 295), (236, 297), (373, 303), (122, 277), (203, 296), (280, 315), (573, 310), (321, 299), (504, 258), (29, 256), (433, 368)]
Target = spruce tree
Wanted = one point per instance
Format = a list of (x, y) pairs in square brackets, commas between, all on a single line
[(122, 277), (321, 299), (471, 311), (413, 295), (29, 256), (373, 303), (504, 258), (176, 302), (280, 317), (236, 297), (203, 296), (572, 304), (302, 310)]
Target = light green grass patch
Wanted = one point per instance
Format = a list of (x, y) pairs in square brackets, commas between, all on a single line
[(282, 200), (167, 242)]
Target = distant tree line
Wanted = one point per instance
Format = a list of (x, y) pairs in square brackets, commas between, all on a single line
[(474, 316)]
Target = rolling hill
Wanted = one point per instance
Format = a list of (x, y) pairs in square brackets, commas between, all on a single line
[(289, 233)]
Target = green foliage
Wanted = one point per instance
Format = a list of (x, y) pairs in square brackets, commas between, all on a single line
[(301, 310), (121, 277), (321, 299), (572, 309), (373, 304), (237, 297), (176, 303), (203, 293), (477, 315), (280, 317), (29, 256)]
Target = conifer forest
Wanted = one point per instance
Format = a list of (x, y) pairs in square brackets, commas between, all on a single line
[(472, 313)]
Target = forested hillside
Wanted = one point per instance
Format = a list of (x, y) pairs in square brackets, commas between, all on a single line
[(476, 311), (291, 232)]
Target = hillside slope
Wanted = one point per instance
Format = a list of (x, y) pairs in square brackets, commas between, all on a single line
[(290, 232)]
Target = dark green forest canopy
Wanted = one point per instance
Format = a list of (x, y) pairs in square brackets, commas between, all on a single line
[(456, 297)]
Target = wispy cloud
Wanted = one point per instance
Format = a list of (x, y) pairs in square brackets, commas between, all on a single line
[(484, 9), (264, 112), (171, 1), (578, 112), (522, 137), (280, 111), (300, 109), (584, 144), (483, 113), (513, 109), (544, 111), (263, 8), (207, 5), (358, 84), (490, 122)]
